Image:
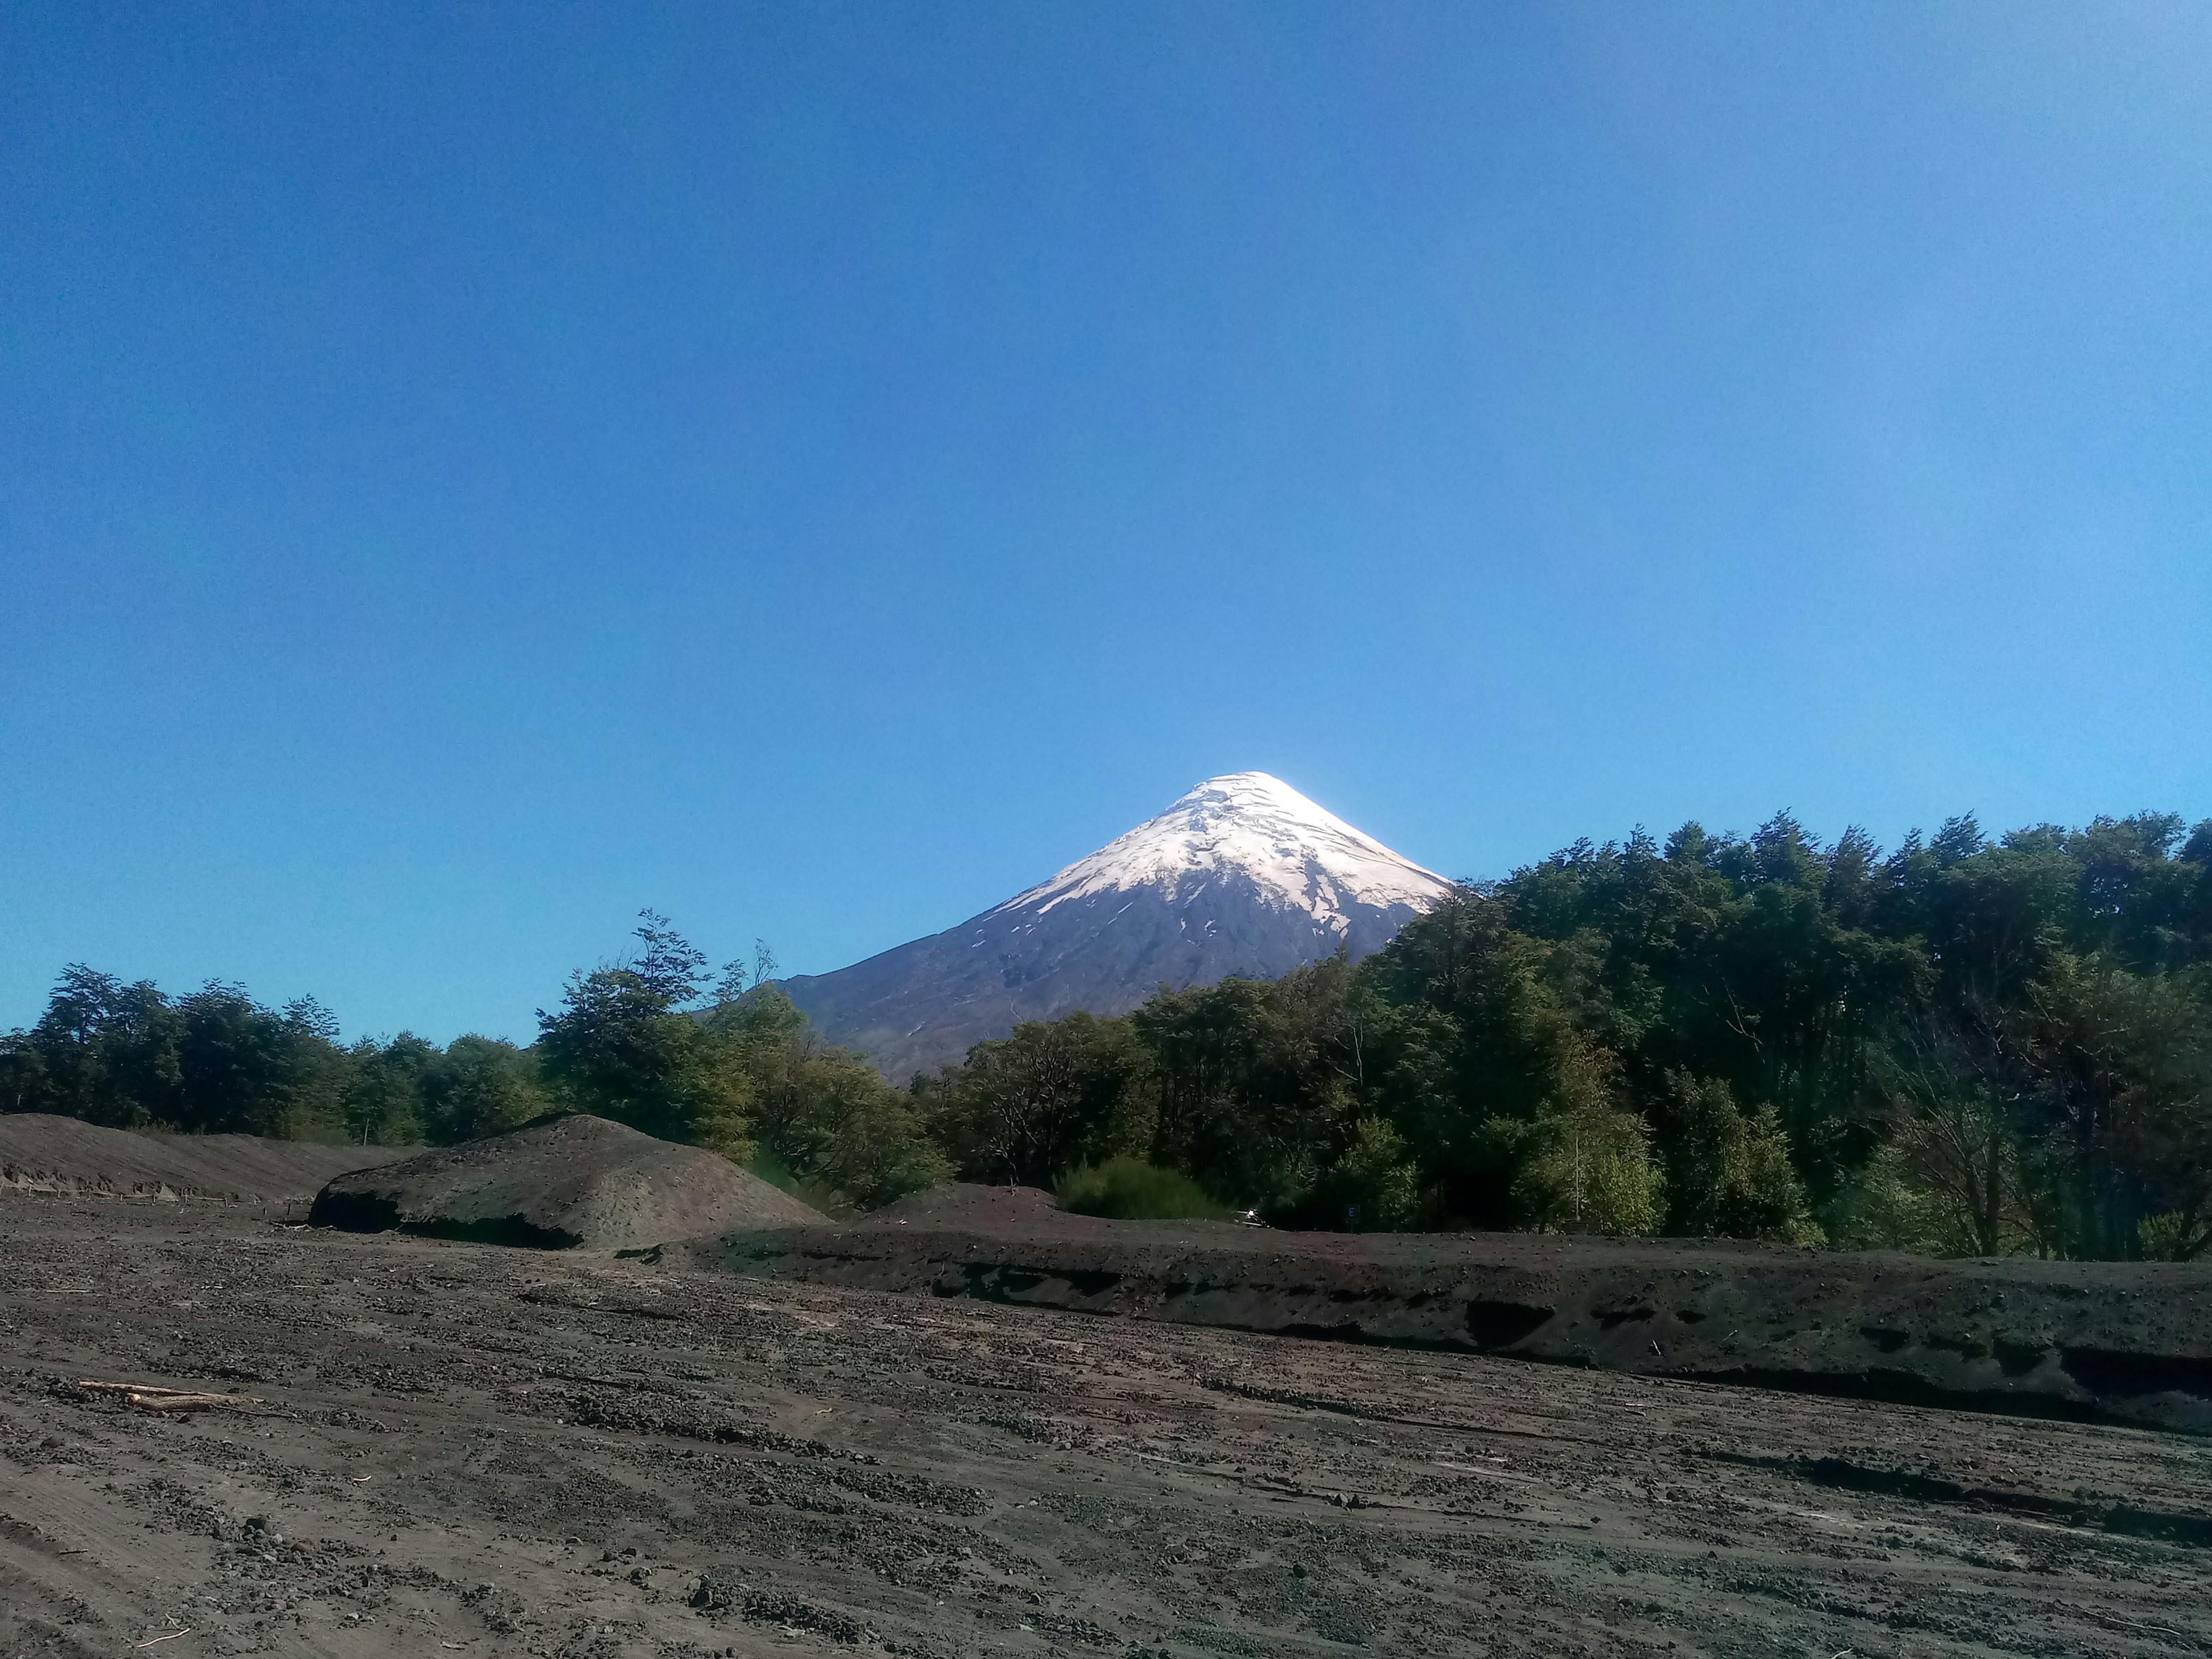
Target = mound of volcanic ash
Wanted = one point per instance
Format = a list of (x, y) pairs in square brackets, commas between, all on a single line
[(965, 1203), (40, 1153), (559, 1183)]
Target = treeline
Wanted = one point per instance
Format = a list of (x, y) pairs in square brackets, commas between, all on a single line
[(1961, 1046), (217, 1062), (1964, 1047), (655, 1041)]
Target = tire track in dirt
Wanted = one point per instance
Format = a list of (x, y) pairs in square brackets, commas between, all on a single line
[(462, 1448)]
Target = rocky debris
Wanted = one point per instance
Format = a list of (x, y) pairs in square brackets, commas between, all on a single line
[(812, 1469), (786, 1613), (2128, 1341), (559, 1183), (42, 1153)]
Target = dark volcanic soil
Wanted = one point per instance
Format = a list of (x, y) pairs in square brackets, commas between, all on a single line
[(440, 1447), (43, 1154), (2130, 1341)]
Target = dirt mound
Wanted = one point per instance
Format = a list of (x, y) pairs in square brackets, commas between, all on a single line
[(963, 1204), (558, 1184), (2125, 1340), (40, 1153)]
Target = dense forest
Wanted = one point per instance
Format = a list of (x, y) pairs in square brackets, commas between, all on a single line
[(1962, 1047), (1965, 1047)]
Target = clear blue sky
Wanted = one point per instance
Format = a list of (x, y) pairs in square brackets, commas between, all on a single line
[(467, 472)]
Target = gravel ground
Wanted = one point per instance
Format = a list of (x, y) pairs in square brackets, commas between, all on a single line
[(435, 1447)]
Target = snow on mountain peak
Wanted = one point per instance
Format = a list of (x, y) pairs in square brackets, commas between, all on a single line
[(1242, 878), (1298, 854)]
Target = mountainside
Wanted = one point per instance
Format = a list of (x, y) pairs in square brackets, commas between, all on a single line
[(1243, 876)]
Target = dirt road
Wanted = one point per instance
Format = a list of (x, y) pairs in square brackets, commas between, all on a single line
[(439, 1447)]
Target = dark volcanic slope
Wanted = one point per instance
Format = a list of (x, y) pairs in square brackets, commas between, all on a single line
[(43, 1154), (925, 1004), (1241, 876)]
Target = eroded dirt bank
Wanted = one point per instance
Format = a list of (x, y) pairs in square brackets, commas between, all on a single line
[(2129, 1341), (443, 1447), (42, 1153)]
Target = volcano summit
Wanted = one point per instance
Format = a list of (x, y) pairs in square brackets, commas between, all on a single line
[(1243, 876)]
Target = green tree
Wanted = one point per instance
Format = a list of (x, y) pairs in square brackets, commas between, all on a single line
[(479, 1086), (382, 1099), (140, 1058), (246, 1069), (23, 1084), (620, 1047), (1587, 1167), (2122, 1066), (1026, 1109), (1253, 1087), (71, 1068), (1485, 1068), (1728, 1172), (124, 1054), (824, 1118), (1371, 1185), (1962, 1086)]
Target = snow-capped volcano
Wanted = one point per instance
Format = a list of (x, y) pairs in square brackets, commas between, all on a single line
[(1251, 825), (1241, 876)]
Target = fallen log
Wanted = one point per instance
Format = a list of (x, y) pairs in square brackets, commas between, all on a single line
[(149, 1396)]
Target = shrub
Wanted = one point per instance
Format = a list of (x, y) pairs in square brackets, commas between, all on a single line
[(810, 1191), (1588, 1169), (1373, 1187), (1728, 1168), (1884, 1208), (1130, 1189), (2172, 1236)]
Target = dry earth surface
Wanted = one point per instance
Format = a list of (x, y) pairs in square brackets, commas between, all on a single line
[(439, 1447), (2128, 1341), (41, 1152)]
